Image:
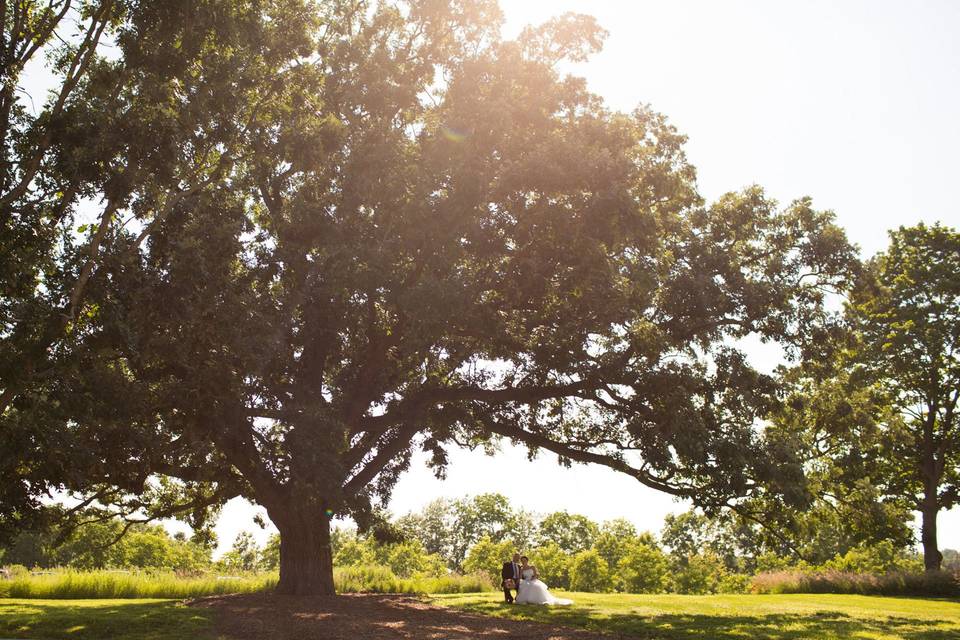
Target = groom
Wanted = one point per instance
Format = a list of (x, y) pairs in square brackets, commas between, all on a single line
[(510, 571)]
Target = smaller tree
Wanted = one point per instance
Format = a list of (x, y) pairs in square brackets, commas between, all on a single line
[(433, 526), (487, 557), (270, 556), (150, 547), (702, 573), (906, 314), (407, 558), (616, 537), (571, 531), (589, 572), (353, 551), (450, 528), (244, 555), (553, 563), (643, 568)]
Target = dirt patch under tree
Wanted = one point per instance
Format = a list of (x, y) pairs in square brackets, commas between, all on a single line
[(366, 617)]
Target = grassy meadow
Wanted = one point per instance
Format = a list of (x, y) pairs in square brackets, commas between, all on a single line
[(772, 617), (660, 617)]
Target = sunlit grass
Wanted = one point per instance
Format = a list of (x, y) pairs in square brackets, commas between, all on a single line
[(775, 617)]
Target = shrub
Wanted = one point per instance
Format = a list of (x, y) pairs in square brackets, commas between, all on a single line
[(487, 557), (354, 552), (452, 583), (15, 571), (703, 573), (378, 579), (643, 569), (734, 583), (879, 558), (589, 572), (407, 559), (366, 579), (896, 583), (553, 564)]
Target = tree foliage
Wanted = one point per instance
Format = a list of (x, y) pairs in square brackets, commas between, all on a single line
[(589, 572), (572, 532), (906, 317), (873, 423), (329, 234)]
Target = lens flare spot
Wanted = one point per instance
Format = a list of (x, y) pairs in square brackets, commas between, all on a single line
[(453, 134), (329, 512)]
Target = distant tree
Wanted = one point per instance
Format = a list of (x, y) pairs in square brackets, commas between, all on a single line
[(643, 568), (905, 313), (589, 572), (487, 557), (694, 532), (553, 563), (951, 559), (270, 556), (433, 526), (879, 558), (354, 551), (450, 528), (616, 537), (244, 555), (488, 515), (30, 548), (98, 544), (572, 532), (701, 573)]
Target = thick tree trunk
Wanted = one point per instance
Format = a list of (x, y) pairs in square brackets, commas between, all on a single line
[(306, 560), (928, 533)]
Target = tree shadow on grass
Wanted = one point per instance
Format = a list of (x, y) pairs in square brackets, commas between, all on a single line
[(54, 619), (376, 617), (786, 626)]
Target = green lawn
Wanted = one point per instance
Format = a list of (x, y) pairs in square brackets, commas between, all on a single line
[(100, 619), (661, 617), (775, 617)]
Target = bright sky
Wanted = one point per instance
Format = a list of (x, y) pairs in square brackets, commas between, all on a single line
[(853, 103)]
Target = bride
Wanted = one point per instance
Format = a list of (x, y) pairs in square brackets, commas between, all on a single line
[(531, 590)]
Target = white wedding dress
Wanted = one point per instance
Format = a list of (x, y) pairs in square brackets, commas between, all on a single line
[(532, 591)]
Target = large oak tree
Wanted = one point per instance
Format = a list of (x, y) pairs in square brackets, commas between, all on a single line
[(424, 236), (146, 106)]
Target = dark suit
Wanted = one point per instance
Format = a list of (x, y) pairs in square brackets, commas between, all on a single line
[(510, 571)]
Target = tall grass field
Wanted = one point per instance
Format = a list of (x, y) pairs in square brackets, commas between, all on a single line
[(70, 584)]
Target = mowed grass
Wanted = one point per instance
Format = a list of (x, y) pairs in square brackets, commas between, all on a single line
[(661, 617), (101, 619), (775, 617)]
